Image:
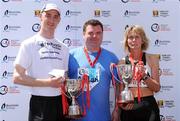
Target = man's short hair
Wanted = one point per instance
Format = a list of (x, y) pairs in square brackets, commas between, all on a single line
[(92, 22)]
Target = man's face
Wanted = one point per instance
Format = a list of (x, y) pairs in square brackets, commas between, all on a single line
[(93, 36), (50, 19)]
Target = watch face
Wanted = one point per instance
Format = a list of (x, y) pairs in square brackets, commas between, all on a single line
[(145, 77)]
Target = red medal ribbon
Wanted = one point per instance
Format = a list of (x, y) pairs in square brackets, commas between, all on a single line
[(85, 83), (89, 59), (85, 79), (136, 75), (64, 100)]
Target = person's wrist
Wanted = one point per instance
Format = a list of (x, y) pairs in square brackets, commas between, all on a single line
[(145, 77)]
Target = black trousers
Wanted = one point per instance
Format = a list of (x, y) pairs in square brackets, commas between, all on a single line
[(146, 110), (46, 109)]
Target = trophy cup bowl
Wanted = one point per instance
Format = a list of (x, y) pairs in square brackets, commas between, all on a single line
[(125, 72), (73, 88)]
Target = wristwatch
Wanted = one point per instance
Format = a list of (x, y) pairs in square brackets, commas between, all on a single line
[(145, 77)]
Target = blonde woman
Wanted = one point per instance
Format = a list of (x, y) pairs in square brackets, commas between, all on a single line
[(144, 107)]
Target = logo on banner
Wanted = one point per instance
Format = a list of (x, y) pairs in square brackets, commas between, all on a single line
[(7, 59), (165, 103), (8, 13), (166, 72), (159, 42), (37, 13), (98, 1), (166, 88), (155, 27), (162, 118), (125, 1), (72, 42), (70, 28), (5, 0), (5, 107), (70, 13), (66, 1), (155, 13), (126, 13), (107, 27), (40, 1), (160, 13), (11, 0), (5, 43), (6, 74), (3, 89), (162, 27), (129, 13), (156, 1), (8, 28), (166, 57), (103, 13), (160, 103), (97, 13), (67, 41), (36, 27), (167, 118), (67, 13)]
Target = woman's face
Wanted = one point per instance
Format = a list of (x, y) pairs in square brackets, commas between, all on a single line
[(134, 41)]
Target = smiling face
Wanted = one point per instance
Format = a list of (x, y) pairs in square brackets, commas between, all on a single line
[(93, 36), (135, 39), (49, 20)]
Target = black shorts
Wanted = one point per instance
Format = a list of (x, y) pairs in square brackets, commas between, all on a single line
[(146, 110), (46, 109)]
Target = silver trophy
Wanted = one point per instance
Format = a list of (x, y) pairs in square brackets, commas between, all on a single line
[(73, 88), (125, 72)]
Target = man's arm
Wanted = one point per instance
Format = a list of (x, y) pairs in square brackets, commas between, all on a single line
[(20, 77)]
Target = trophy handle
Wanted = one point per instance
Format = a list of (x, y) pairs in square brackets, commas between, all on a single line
[(112, 66), (64, 93)]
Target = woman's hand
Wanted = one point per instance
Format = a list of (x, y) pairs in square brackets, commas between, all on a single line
[(116, 114), (126, 106)]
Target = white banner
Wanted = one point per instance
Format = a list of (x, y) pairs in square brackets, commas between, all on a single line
[(160, 19)]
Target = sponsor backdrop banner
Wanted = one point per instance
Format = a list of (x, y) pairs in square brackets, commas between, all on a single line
[(160, 19)]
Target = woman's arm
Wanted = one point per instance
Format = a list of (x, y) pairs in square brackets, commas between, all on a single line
[(153, 82)]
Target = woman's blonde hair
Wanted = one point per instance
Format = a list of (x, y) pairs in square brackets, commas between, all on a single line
[(138, 30)]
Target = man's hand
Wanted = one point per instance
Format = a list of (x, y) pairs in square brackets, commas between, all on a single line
[(56, 82)]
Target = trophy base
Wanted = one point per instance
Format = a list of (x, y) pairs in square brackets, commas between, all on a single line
[(125, 102), (74, 116), (74, 112)]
